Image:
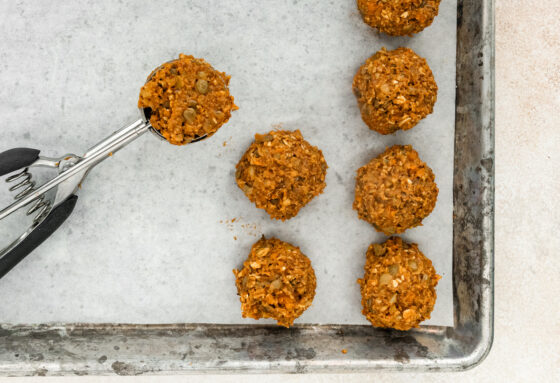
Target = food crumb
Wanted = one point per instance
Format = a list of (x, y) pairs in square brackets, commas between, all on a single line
[(344, 351), (235, 238), (233, 224), (226, 143)]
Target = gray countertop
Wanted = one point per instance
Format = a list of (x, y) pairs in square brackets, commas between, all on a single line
[(527, 321)]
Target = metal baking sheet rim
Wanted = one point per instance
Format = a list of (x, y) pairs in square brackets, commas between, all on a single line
[(101, 349)]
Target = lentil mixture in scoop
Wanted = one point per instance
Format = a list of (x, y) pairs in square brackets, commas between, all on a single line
[(395, 191), (188, 99), (281, 173), (399, 17), (277, 281), (398, 288), (395, 90)]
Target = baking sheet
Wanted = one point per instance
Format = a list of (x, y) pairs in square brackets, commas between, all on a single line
[(152, 238)]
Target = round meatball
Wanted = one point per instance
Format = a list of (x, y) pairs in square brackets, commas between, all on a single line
[(276, 281), (399, 17), (398, 288), (281, 173), (188, 99), (395, 191), (395, 90)]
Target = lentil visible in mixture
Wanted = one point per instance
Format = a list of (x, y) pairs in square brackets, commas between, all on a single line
[(395, 191), (395, 90), (398, 288), (399, 17), (281, 173), (277, 281), (188, 99)]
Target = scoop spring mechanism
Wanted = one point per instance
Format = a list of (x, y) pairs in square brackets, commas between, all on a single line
[(25, 186)]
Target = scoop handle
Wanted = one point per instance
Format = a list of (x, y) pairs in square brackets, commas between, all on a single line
[(43, 231), (15, 159)]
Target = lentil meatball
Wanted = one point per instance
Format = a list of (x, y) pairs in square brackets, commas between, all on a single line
[(395, 191), (281, 172), (399, 17), (188, 99), (395, 90), (398, 288), (277, 281)]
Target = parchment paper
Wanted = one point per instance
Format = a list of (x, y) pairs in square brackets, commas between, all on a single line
[(152, 238)]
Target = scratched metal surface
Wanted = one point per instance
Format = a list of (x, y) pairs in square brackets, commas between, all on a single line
[(83, 349)]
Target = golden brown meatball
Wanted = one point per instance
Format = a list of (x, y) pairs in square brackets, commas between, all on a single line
[(281, 173), (399, 17), (276, 281), (398, 288), (395, 90), (188, 99), (395, 191)]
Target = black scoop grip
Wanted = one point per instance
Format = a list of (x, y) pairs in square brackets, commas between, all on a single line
[(15, 159), (53, 221)]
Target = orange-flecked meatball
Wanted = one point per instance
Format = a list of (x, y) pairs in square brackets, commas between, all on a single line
[(395, 191), (276, 281), (398, 288), (188, 99), (281, 173), (395, 90), (399, 17)]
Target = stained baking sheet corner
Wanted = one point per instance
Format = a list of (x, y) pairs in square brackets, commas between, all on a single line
[(132, 205)]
